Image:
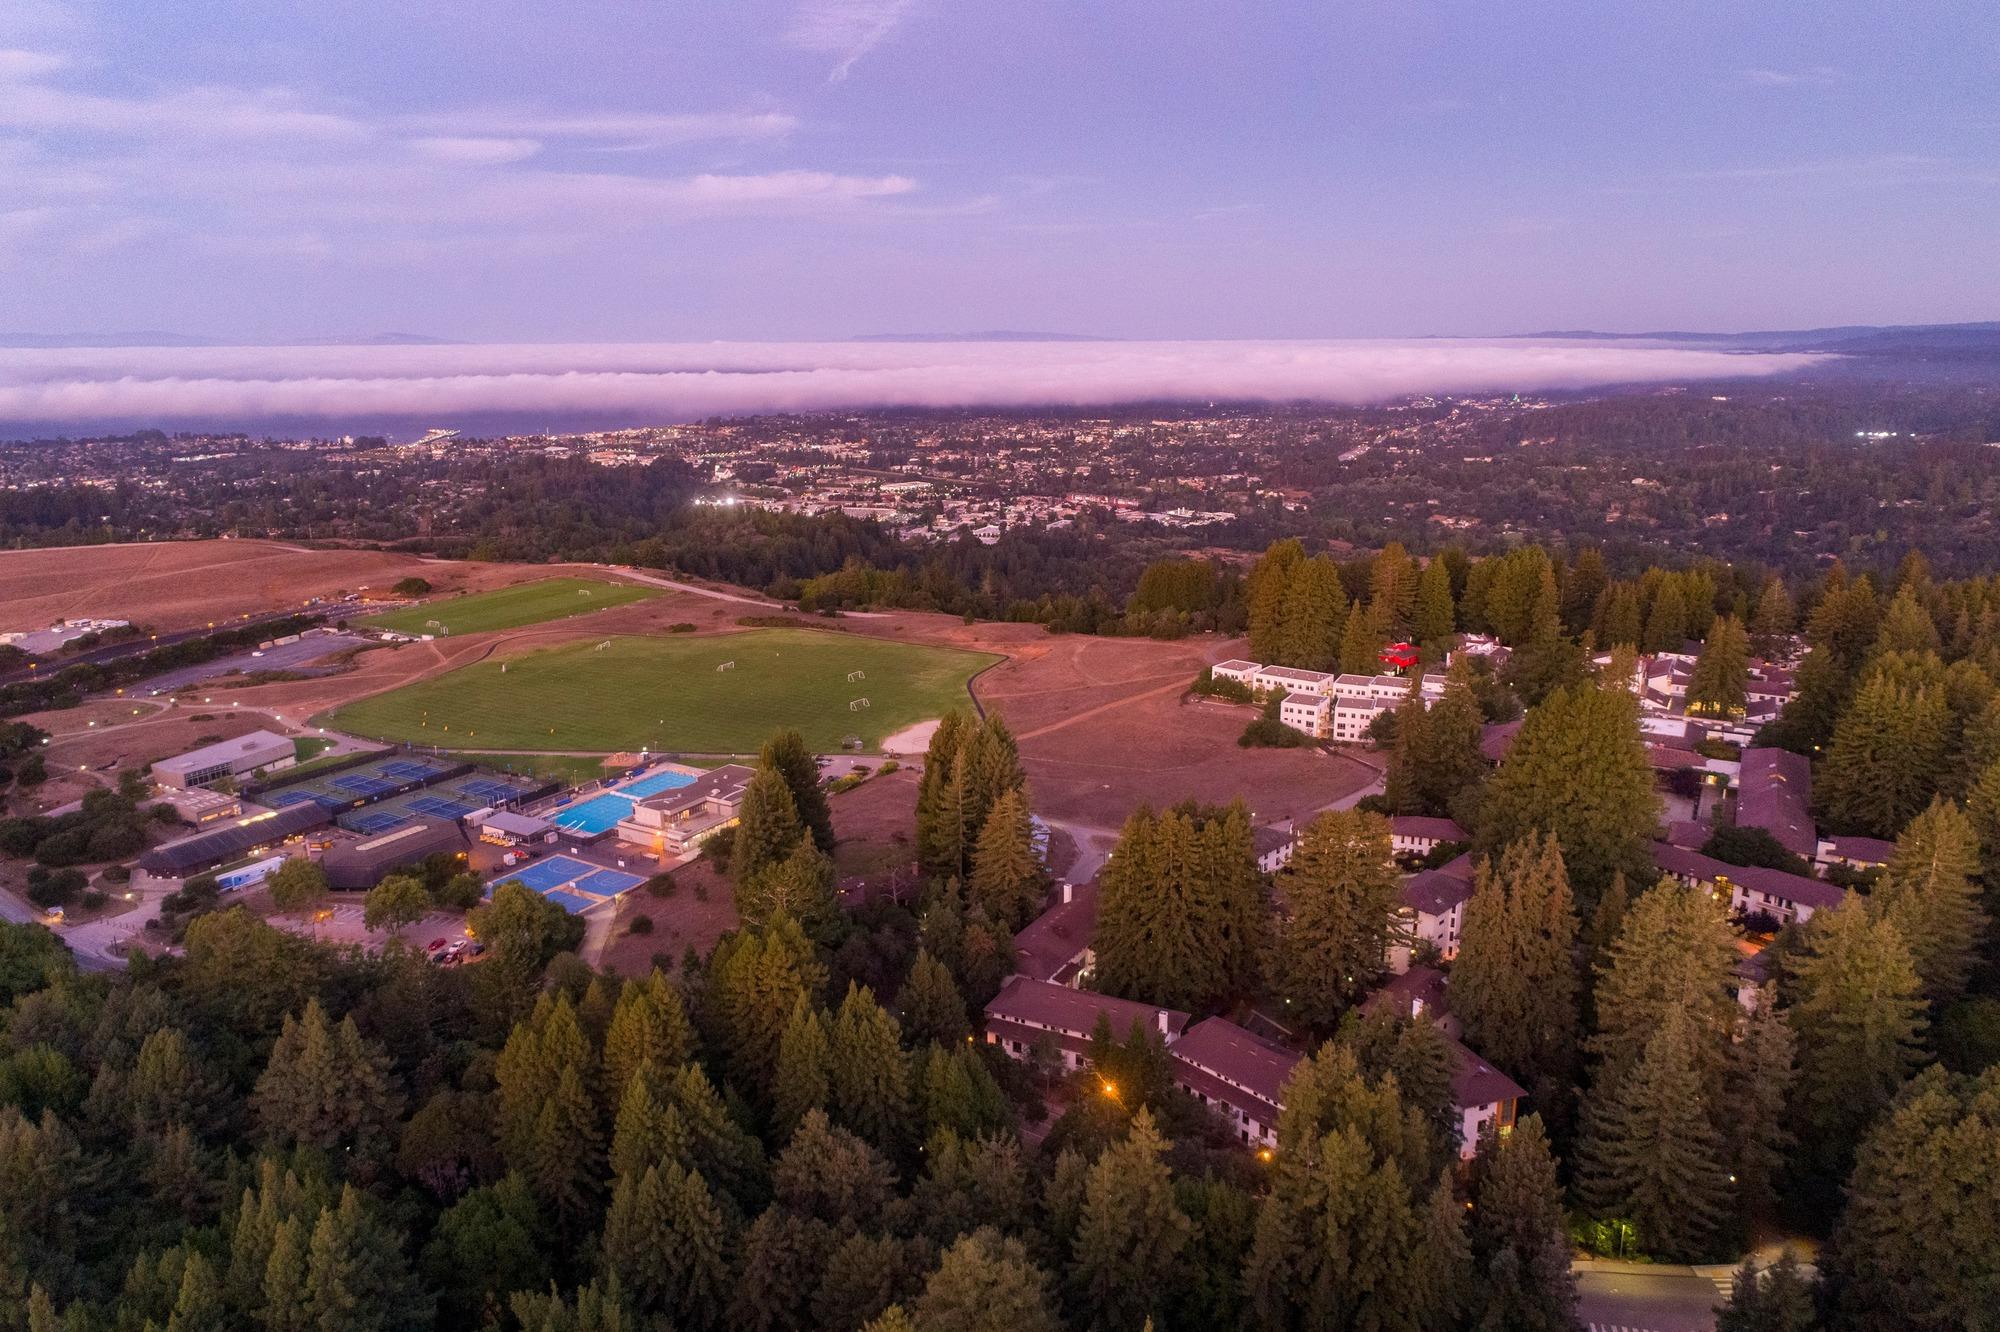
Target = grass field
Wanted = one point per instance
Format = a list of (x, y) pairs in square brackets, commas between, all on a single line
[(665, 694), (569, 769), (510, 607)]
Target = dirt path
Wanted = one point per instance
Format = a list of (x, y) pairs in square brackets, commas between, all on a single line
[(1178, 682)]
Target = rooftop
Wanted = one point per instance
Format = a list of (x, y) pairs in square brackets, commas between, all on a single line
[(1817, 894), (1776, 791), (224, 751), (1476, 1082), (1433, 892), (1238, 1059), (1058, 1007)]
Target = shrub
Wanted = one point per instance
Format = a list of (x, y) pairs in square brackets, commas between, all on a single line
[(53, 888), (716, 849), (117, 874), (93, 899), (1206, 685), (847, 783), (640, 925), (411, 587), (681, 627), (701, 892), (888, 766), (661, 886)]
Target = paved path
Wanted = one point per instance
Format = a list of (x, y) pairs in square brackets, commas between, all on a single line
[(1647, 1297)]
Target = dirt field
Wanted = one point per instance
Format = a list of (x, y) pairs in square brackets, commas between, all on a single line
[(679, 922), (186, 584), (876, 826)]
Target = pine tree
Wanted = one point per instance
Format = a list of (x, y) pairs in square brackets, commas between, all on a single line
[(985, 1283), (1763, 1065), (356, 1279), (1128, 1245), (1269, 585), (956, 1092), (787, 753), (1906, 626), (869, 1077), (530, 1067), (1179, 908), (1519, 1236), (1435, 618), (1339, 891), (1722, 672), (1887, 753), (931, 1007), (1360, 646), (800, 886), (1315, 611), (804, 1069), (325, 1086), (1616, 621), (768, 829), (1650, 1152), (940, 832), (993, 768), (1857, 1010), (1666, 619), (1007, 877), (755, 977), (1582, 586), (649, 1023), (1674, 953), (645, 1131), (566, 1153), (1780, 1301), (1577, 769), (666, 1241), (1513, 985), (1928, 893), (830, 1174), (1775, 619), (1919, 1241)]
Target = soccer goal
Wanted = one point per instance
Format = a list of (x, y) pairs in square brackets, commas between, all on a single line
[(725, 666), (601, 646), (852, 676), (857, 705)]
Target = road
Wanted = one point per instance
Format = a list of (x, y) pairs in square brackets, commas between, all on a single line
[(1640, 1297), (99, 656), (283, 657), (675, 585)]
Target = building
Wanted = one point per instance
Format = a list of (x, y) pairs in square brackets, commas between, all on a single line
[(1419, 835), (1775, 794), (1431, 910), (1487, 1100), (681, 819), (1242, 672), (1055, 946), (201, 807), (237, 758), (1752, 889), (1861, 853), (1308, 713), (1273, 846), (1236, 1075), (1027, 1013), (358, 866), (506, 828), (1290, 680), (249, 835)]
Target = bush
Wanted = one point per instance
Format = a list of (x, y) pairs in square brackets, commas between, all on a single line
[(888, 766), (93, 899), (847, 783), (661, 886), (53, 888), (1738, 845), (716, 849), (701, 892), (117, 874), (411, 587), (681, 627), (640, 925), (1206, 685)]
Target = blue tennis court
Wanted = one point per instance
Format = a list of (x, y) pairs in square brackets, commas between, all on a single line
[(375, 822), (607, 883), (544, 876), (570, 902), (404, 770), (600, 813), (360, 784), (438, 807), (491, 792), (658, 782)]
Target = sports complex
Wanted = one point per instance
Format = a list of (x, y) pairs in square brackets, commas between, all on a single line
[(722, 694), (509, 607)]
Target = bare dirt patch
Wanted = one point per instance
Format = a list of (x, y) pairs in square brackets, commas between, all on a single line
[(875, 826), (680, 922)]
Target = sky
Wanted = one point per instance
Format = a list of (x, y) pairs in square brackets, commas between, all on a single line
[(768, 170)]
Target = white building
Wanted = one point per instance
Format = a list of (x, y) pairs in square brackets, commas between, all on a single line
[(240, 757), (1290, 680), (1310, 713), (1242, 672)]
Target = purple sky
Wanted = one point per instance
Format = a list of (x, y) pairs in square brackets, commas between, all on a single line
[(611, 170)]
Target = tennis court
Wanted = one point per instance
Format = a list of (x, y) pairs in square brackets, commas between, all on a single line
[(545, 876), (572, 884), (368, 822)]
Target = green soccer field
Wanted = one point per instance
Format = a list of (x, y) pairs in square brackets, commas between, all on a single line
[(667, 694), (510, 607)]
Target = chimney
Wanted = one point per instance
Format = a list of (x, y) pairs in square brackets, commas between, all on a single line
[(1068, 892), (1163, 1023)]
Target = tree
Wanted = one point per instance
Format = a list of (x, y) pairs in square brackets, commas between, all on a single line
[(1906, 625), (1917, 1246), (297, 886), (666, 1241), (649, 1023), (1780, 1300), (1360, 645), (1513, 985), (930, 1004), (325, 1086), (1887, 753), (1180, 908), (786, 752), (805, 1059), (1674, 952), (1519, 1239), (755, 976), (868, 1076), (941, 833), (1722, 672), (397, 901), (1666, 619), (1857, 1010), (1269, 584), (1437, 758), (1928, 893), (769, 828), (1650, 1153), (1775, 619), (1577, 769), (1128, 1245), (1315, 611), (356, 1279), (985, 1283), (1340, 891), (1763, 1065), (487, 1243), (1435, 616), (801, 886), (1007, 877)]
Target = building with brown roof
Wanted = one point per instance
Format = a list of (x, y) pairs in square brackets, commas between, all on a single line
[(1055, 946), (1487, 1100), (1236, 1075), (1774, 792), (1027, 1013), (1751, 888)]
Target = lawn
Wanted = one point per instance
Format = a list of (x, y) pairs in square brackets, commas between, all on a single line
[(668, 695), (569, 769), (509, 607)]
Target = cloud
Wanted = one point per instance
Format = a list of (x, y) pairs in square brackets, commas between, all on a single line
[(476, 152), (1818, 76), (626, 129), (848, 29), (17, 64), (239, 387)]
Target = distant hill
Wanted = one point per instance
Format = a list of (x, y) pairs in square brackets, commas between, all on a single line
[(157, 338), (997, 335), (1979, 339)]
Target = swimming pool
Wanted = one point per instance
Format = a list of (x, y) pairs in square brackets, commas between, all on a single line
[(656, 783), (599, 814)]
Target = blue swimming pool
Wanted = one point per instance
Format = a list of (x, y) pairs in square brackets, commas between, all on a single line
[(656, 783), (600, 813)]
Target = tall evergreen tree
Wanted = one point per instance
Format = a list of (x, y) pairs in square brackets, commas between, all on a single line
[(1126, 1259), (868, 1075), (1666, 619), (930, 1004), (805, 1069), (755, 976), (649, 1023), (1435, 616), (1763, 1064), (1008, 879), (1577, 769), (1775, 619), (786, 752), (1339, 893), (325, 1086), (940, 832), (1929, 894), (1886, 758), (1315, 612), (666, 1240), (1180, 909), (1269, 585), (768, 829), (1779, 1299), (1582, 585), (1360, 645), (983, 1283), (800, 885), (1722, 672), (1513, 985), (1674, 952), (1906, 625), (1519, 1236)]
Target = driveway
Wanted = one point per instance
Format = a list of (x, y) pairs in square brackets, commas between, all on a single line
[(1648, 1297)]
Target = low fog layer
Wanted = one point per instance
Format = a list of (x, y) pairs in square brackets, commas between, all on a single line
[(229, 387)]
